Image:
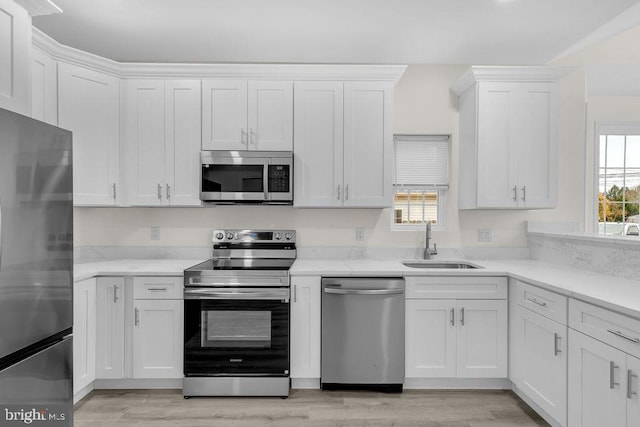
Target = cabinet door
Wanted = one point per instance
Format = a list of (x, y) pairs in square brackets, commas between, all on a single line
[(44, 87), (536, 139), (633, 391), (497, 152), (89, 106), (318, 129), (110, 328), (430, 339), (482, 339), (157, 339), (596, 391), (143, 133), (182, 142), (544, 362), (305, 327), (224, 115), (84, 334), (270, 115), (15, 46), (368, 144)]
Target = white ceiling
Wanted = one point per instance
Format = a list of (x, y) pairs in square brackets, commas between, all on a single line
[(331, 31)]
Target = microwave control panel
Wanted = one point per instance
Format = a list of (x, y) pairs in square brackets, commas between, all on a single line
[(279, 181)]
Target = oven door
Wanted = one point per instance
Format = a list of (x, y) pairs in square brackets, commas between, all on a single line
[(236, 332), (225, 178)]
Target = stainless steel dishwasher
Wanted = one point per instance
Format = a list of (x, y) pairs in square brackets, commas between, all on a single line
[(363, 333)]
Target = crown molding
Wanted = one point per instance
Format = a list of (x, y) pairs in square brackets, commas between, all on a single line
[(134, 70), (481, 73), (39, 7)]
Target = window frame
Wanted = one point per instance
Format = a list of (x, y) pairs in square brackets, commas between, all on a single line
[(440, 190), (606, 128)]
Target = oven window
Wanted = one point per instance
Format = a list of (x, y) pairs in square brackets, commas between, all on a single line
[(233, 178), (236, 328)]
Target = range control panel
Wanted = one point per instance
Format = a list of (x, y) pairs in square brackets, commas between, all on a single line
[(254, 236)]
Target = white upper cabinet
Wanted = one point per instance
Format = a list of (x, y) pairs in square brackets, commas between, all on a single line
[(89, 106), (343, 144), (508, 137), (44, 87), (15, 48), (161, 140), (247, 115)]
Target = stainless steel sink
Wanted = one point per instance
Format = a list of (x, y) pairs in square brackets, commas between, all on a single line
[(444, 264)]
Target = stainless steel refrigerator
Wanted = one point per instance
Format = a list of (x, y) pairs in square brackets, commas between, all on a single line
[(36, 272)]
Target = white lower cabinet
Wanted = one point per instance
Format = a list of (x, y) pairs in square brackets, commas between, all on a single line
[(305, 327), (456, 338), (110, 328), (157, 339), (84, 334)]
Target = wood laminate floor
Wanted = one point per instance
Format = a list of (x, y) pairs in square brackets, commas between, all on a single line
[(146, 408)]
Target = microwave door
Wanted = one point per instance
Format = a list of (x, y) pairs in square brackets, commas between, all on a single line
[(238, 179)]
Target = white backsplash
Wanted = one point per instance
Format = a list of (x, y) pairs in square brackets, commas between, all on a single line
[(616, 257)]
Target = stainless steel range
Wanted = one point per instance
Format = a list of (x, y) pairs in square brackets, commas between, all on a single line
[(236, 316)]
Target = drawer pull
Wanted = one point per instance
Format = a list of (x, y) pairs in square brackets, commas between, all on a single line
[(621, 335), (157, 289), (630, 377), (535, 301), (612, 370)]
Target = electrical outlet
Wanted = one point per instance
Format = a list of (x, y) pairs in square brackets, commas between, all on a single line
[(485, 235), (155, 233), (360, 234)]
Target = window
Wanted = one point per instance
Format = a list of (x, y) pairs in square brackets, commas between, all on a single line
[(421, 178), (618, 179)]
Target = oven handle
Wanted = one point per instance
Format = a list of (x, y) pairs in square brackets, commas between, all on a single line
[(236, 294), (363, 291), (198, 281)]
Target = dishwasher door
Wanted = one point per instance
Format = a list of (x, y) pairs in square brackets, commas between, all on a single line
[(363, 333)]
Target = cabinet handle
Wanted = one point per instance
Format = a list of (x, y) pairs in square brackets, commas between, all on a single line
[(612, 381), (556, 347), (115, 294), (338, 198), (535, 301), (621, 335), (243, 137), (159, 191), (295, 293), (462, 316), (524, 193), (137, 317), (453, 317), (252, 139), (157, 289), (515, 193), (168, 191), (630, 377), (346, 192), (113, 190)]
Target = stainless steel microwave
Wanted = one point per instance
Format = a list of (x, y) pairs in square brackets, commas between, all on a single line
[(258, 177)]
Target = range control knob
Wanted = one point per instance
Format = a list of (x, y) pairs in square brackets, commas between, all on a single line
[(219, 235), (230, 236), (288, 236), (277, 236)]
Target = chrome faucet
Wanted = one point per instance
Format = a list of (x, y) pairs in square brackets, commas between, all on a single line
[(428, 252)]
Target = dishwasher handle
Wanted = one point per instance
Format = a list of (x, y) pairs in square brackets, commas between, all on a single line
[(347, 291)]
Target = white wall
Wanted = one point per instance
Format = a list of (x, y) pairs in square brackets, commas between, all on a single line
[(423, 104)]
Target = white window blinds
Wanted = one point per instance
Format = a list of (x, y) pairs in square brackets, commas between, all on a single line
[(421, 160)]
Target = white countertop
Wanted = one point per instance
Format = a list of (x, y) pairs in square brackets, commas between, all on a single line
[(621, 295), (618, 294)]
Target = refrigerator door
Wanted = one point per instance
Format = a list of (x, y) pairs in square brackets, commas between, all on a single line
[(36, 231), (39, 386)]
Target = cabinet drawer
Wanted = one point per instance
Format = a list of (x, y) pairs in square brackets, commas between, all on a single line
[(157, 287), (460, 287), (615, 329), (547, 303)]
